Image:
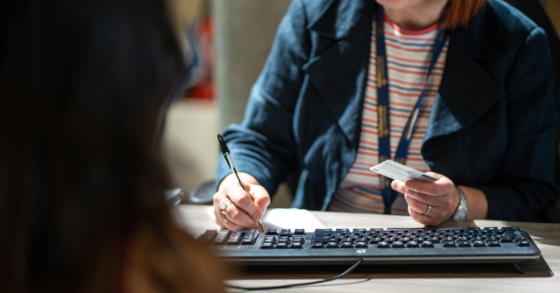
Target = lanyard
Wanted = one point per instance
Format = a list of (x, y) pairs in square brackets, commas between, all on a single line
[(384, 131)]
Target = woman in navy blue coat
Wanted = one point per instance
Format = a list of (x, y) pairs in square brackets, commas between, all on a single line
[(490, 133)]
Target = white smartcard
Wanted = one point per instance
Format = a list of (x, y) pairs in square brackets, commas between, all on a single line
[(400, 172)]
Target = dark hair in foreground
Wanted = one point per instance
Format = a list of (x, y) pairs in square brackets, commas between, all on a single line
[(83, 84)]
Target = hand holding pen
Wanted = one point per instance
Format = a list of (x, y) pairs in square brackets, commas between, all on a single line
[(240, 201)]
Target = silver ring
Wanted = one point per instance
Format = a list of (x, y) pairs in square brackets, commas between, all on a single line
[(224, 207), (428, 211)]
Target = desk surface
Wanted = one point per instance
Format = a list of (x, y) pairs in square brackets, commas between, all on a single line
[(540, 276)]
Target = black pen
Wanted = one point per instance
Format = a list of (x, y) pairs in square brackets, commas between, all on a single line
[(233, 167)]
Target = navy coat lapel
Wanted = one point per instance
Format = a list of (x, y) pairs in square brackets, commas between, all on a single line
[(462, 98), (339, 62)]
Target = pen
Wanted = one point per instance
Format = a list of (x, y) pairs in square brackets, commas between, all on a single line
[(233, 167)]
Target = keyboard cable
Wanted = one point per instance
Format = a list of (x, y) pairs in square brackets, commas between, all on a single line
[(349, 270)]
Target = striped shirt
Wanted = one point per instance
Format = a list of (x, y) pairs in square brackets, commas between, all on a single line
[(408, 59)]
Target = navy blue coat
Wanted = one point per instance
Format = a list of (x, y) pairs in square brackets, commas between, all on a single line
[(492, 125)]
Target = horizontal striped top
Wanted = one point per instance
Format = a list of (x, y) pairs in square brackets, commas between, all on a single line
[(408, 59)]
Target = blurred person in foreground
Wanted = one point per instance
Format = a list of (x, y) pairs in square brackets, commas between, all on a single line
[(83, 86)]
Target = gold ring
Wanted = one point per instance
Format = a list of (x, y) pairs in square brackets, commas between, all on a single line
[(224, 207)]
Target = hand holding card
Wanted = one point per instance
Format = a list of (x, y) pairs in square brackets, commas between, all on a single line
[(394, 170)]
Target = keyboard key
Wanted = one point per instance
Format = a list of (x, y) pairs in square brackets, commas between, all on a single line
[(235, 238), (375, 240), (478, 238), (523, 243), (383, 244), (449, 244), (417, 239), (361, 244), (463, 243), (347, 244), (362, 239), (493, 243), (473, 230), (427, 244), (351, 239), (250, 238), (247, 241), (338, 235), (281, 245), (492, 238), (272, 232), (208, 236), (434, 239), (316, 245), (222, 237), (286, 232), (324, 239), (269, 239), (478, 243), (359, 231), (398, 244), (283, 238), (296, 245), (332, 245), (298, 239), (412, 244), (267, 245), (299, 232), (506, 240)]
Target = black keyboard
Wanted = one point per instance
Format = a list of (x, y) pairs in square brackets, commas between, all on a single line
[(373, 246)]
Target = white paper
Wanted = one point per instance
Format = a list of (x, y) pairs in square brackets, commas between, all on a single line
[(286, 219), (291, 219)]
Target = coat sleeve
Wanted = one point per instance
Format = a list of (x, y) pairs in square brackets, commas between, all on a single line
[(263, 145), (523, 186)]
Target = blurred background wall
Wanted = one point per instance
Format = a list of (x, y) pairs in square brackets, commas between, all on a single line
[(242, 32), (234, 39), (552, 8)]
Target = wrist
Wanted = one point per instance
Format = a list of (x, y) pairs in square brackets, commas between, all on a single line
[(462, 210), (478, 204)]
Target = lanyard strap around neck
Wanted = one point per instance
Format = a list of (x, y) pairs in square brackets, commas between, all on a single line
[(383, 116)]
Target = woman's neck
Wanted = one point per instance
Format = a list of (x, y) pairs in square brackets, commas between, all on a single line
[(416, 17)]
